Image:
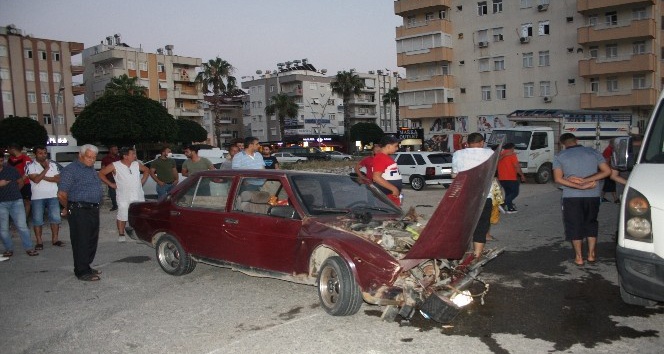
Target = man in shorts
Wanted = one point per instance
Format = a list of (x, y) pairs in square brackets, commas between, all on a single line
[(44, 176), (577, 169)]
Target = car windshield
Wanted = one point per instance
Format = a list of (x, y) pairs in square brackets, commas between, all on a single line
[(654, 148), (333, 194), (519, 138)]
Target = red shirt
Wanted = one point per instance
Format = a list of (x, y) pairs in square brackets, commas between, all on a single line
[(107, 160), (19, 163), (506, 169), (368, 163)]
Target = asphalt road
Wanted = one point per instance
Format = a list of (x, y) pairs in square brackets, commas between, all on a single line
[(539, 301)]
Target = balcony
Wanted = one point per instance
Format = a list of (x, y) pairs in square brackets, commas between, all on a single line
[(428, 82), (75, 48), (188, 112), (640, 97), (224, 120), (628, 64), (629, 29), (294, 92), (594, 5), (427, 111), (184, 76), (77, 69), (405, 7), (417, 28), (78, 89), (226, 134), (425, 56), (187, 95)]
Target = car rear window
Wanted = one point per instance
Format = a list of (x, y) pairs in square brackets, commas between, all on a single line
[(440, 158)]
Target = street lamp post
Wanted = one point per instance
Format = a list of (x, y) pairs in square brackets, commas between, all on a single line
[(54, 116), (319, 120)]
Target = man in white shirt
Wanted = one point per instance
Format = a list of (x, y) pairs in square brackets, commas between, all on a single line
[(463, 160), (44, 176)]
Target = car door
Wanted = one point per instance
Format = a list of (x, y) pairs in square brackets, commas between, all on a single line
[(407, 166), (255, 238)]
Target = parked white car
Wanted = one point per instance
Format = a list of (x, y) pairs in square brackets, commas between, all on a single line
[(339, 156), (150, 186), (287, 157), (421, 168)]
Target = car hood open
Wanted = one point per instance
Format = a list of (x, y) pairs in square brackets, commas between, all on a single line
[(449, 231)]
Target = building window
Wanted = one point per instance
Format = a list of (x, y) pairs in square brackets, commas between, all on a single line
[(47, 119), (611, 50), (445, 69), (497, 34), (543, 28), (639, 81), (594, 84), (527, 60), (612, 83), (483, 35), (32, 97), (131, 65), (482, 8), (544, 58), (499, 63), (592, 51), (42, 55), (46, 98), (639, 13), (545, 88), (442, 14), (611, 18), (592, 20), (312, 86), (55, 56), (501, 92), (7, 96), (57, 77), (411, 21), (526, 4), (60, 120), (143, 66), (160, 68), (4, 74), (497, 6), (29, 75), (43, 76), (639, 47), (28, 54), (484, 64), (429, 16), (528, 89), (486, 93), (527, 30), (3, 51)]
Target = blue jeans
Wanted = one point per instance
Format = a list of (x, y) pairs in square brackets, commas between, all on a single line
[(511, 192), (163, 190), (38, 206), (16, 211)]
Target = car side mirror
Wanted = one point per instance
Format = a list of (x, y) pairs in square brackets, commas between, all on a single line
[(623, 157), (282, 211)]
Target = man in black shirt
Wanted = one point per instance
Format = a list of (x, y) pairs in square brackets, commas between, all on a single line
[(271, 162)]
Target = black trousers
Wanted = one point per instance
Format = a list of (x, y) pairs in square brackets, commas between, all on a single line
[(84, 235)]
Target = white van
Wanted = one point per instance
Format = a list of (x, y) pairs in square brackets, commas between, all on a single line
[(64, 155), (640, 249)]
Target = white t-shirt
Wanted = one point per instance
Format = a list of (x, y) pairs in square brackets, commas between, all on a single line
[(465, 159), (44, 189)]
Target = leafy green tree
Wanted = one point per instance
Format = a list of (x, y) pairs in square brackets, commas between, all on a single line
[(366, 132), (124, 120), (392, 96), (23, 131), (218, 83), (347, 84), (283, 106), (124, 85), (190, 131)]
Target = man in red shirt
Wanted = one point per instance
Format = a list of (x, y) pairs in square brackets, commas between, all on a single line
[(19, 161), (385, 171), (508, 170), (609, 184), (112, 156), (367, 163)]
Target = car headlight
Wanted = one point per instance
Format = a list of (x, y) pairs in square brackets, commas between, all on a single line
[(638, 220)]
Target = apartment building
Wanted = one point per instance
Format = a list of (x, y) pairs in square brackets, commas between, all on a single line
[(223, 118), (169, 78), (37, 81), (320, 115), (470, 63), (369, 107)]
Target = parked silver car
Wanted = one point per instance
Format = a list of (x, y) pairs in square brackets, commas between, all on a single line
[(339, 156), (287, 157)]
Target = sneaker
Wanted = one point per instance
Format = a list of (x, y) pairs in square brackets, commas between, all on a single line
[(512, 210), (122, 238), (502, 210), (604, 200)]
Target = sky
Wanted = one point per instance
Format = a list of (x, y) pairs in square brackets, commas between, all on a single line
[(250, 34)]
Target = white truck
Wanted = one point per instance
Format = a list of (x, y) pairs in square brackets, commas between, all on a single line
[(535, 135)]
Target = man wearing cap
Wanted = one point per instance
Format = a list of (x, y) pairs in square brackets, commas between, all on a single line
[(385, 171)]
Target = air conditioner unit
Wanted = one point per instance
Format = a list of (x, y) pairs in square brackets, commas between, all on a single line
[(547, 99), (483, 44), (542, 7), (524, 39)]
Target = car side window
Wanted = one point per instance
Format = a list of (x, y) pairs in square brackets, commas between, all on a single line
[(419, 159), (539, 141), (256, 199), (207, 193), (405, 160)]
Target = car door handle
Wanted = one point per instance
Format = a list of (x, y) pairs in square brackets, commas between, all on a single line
[(231, 221), (175, 213)]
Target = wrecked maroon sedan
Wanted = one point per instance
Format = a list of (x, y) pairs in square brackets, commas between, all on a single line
[(326, 230)]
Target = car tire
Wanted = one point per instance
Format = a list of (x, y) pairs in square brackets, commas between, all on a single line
[(346, 158), (299, 161), (417, 183), (172, 257), (635, 300), (543, 174), (338, 291)]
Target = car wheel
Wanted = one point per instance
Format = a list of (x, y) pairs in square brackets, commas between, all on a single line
[(347, 158), (417, 182), (543, 174), (298, 161), (635, 300), (172, 258), (337, 290)]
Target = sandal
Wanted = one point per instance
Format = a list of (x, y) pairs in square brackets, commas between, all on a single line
[(58, 244), (8, 254), (89, 277), (32, 253), (95, 271), (39, 247)]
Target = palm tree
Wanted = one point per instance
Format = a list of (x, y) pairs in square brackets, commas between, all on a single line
[(217, 81), (125, 85), (283, 106), (347, 84), (392, 96)]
